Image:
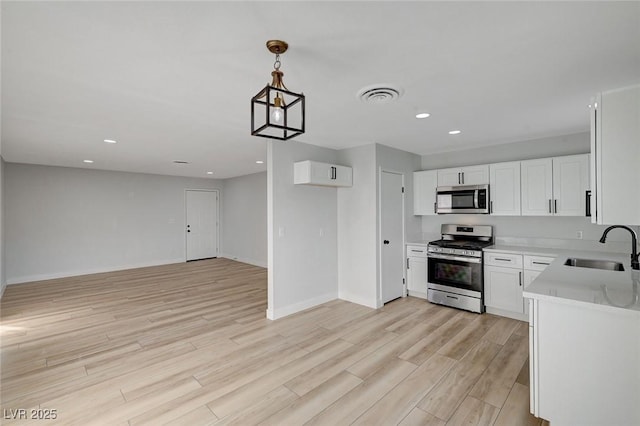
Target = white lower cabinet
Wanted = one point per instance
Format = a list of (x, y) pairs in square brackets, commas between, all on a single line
[(505, 277), (417, 271), (503, 289), (533, 266), (583, 364)]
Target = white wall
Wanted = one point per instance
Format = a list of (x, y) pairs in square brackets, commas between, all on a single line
[(245, 219), (539, 231), (302, 232), (3, 275), (357, 228), (395, 160), (68, 221), (578, 143), (358, 218)]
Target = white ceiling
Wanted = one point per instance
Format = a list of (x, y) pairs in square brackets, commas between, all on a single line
[(173, 80)]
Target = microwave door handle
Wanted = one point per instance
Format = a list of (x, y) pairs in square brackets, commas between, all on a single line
[(475, 198)]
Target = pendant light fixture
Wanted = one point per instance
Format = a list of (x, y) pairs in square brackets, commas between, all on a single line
[(276, 112)]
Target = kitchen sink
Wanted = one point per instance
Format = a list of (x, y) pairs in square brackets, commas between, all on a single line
[(595, 264)]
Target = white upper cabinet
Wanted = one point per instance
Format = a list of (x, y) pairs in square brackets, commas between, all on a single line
[(537, 187), (615, 157), (555, 186), (323, 174), (424, 192), (449, 177), (570, 185), (470, 175), (504, 188)]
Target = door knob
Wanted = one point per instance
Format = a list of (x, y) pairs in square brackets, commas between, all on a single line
[(386, 241)]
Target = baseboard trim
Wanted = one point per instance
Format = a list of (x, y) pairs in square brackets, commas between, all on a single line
[(67, 274), (274, 314), (417, 294), (358, 300), (262, 264), (508, 314)]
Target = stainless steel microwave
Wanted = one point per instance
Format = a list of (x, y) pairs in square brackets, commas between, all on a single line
[(462, 199)]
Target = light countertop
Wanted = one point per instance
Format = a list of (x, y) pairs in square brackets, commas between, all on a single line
[(606, 290), (613, 291)]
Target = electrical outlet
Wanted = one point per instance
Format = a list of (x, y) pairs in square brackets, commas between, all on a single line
[(579, 235)]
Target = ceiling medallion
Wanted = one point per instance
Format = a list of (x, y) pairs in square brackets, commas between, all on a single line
[(276, 112)]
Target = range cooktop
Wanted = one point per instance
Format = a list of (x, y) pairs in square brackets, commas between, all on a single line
[(461, 244)]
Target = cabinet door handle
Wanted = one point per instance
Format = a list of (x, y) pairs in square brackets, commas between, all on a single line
[(540, 263), (462, 177), (458, 178), (435, 207), (407, 263), (587, 203), (491, 207), (520, 278), (332, 173), (502, 259), (555, 205), (550, 211)]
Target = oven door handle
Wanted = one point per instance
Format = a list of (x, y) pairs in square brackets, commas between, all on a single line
[(458, 258)]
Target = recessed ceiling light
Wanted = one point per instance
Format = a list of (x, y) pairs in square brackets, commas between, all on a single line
[(423, 115), (110, 141), (209, 173), (454, 132), (87, 161), (259, 162)]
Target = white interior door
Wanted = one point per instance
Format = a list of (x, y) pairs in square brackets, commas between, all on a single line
[(392, 235), (202, 224)]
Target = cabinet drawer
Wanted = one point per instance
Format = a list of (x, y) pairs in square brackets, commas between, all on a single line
[(416, 251), (506, 260), (537, 263)]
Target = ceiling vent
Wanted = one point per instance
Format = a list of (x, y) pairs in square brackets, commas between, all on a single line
[(379, 93)]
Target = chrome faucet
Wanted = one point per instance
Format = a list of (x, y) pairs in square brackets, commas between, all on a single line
[(635, 264)]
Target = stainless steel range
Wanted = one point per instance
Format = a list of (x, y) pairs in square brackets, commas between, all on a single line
[(455, 272)]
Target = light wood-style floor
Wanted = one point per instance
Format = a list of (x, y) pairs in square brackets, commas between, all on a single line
[(188, 344)]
